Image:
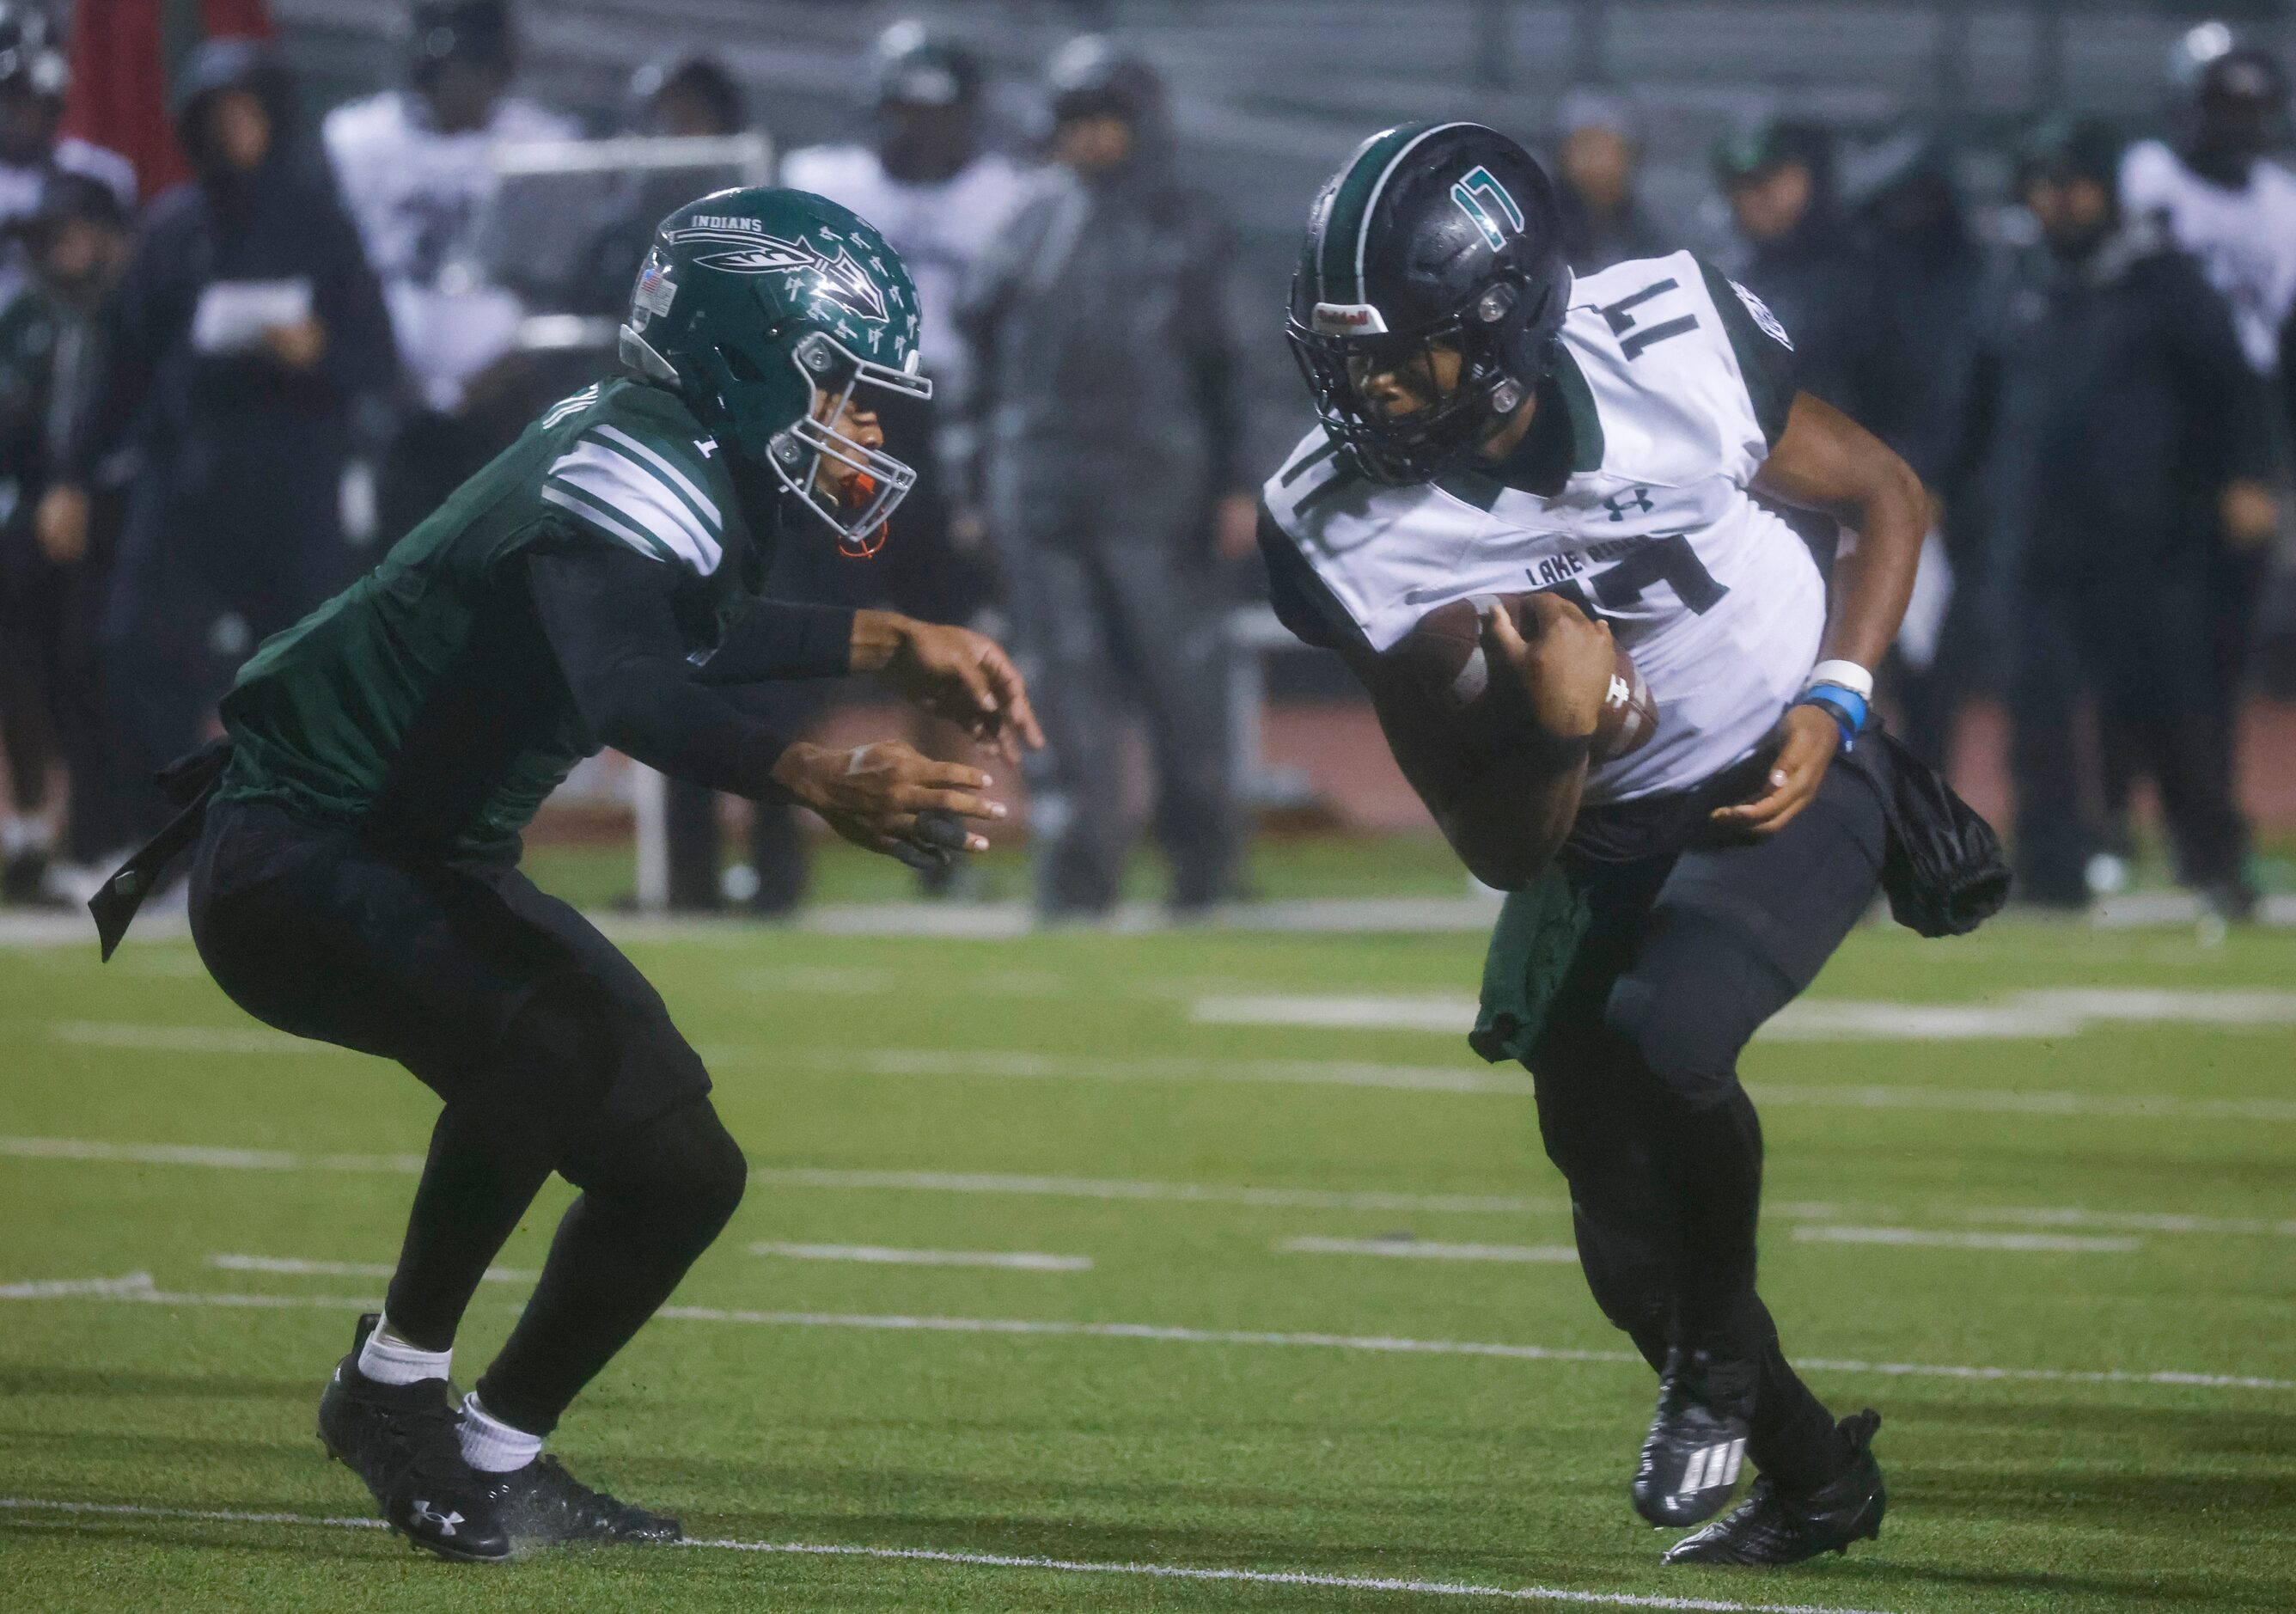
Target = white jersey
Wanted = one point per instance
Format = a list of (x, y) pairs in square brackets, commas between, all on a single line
[(2244, 239), (940, 230), (1716, 599), (421, 200)]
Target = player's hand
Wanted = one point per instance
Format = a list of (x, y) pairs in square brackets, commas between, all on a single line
[(1811, 737), (1236, 527), (298, 346), (1562, 673), (952, 673), (60, 524), (2249, 513), (890, 798)]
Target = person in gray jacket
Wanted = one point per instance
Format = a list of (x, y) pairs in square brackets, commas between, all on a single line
[(1105, 410)]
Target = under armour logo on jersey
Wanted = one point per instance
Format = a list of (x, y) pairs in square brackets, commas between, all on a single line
[(1712, 1466), (1485, 201), (1618, 505), (445, 1522)]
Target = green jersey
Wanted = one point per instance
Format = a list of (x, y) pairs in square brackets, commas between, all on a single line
[(423, 703), (47, 355)]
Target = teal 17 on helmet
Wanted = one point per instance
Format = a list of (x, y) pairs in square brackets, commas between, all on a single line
[(767, 310)]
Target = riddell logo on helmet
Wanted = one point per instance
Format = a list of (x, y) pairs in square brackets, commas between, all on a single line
[(1346, 319)]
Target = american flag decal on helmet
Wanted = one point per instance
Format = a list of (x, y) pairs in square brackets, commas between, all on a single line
[(656, 292)]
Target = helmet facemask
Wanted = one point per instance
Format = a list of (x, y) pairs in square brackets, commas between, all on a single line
[(832, 376), (1495, 378)]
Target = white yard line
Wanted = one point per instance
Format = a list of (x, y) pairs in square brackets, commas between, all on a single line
[(131, 1037), (2046, 1243), (1347, 1013), (200, 1154), (2000, 1101), (2138, 1221), (1442, 1015), (1003, 1561), (295, 1266), (878, 1255), (2050, 1013), (138, 1288), (1128, 1189), (1020, 1065), (1014, 1064), (865, 1180), (1007, 920), (1424, 1249)]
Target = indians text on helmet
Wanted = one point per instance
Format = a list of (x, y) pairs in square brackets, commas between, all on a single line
[(750, 250)]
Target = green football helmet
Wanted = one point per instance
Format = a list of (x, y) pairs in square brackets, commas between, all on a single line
[(769, 311)]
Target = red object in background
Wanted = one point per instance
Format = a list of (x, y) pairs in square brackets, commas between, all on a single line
[(123, 52)]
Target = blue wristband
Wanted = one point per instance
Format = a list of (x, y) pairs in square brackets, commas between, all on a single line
[(1846, 707)]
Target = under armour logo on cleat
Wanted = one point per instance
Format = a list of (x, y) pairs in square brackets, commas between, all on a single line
[(1713, 1465), (445, 1522)]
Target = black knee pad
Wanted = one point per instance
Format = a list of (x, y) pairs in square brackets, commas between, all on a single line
[(681, 1171), (1687, 1022)]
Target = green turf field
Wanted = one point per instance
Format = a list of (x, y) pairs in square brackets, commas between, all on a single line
[(2077, 1228)]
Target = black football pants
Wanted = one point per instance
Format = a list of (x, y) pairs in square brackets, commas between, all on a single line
[(550, 1050), (1639, 1102)]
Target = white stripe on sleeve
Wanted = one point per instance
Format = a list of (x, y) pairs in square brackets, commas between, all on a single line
[(650, 548), (641, 498), (668, 468)]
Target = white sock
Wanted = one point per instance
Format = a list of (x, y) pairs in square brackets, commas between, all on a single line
[(492, 1447), (20, 835), (386, 1359)]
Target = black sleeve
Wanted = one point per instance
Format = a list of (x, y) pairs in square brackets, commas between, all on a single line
[(2231, 402), (609, 620), (130, 354), (1766, 354), (776, 639), (1303, 602), (1211, 300), (361, 357), (2287, 370)]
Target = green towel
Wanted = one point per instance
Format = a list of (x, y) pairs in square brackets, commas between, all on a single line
[(1536, 937)]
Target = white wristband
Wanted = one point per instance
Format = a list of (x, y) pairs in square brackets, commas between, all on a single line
[(1848, 674)]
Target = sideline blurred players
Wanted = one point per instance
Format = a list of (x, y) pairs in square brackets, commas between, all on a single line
[(242, 345), (1797, 254), (2132, 445), (940, 199), (51, 704), (2218, 196), (1105, 405), (1931, 285), (1596, 165), (415, 171), (34, 75)]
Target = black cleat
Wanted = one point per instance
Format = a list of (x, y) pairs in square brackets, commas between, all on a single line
[(542, 1505), (1697, 1440), (1771, 1529), (401, 1440)]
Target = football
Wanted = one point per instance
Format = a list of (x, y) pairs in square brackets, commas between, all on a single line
[(1443, 653)]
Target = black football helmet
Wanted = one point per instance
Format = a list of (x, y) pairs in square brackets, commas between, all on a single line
[(1431, 234), (31, 57), (912, 66)]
